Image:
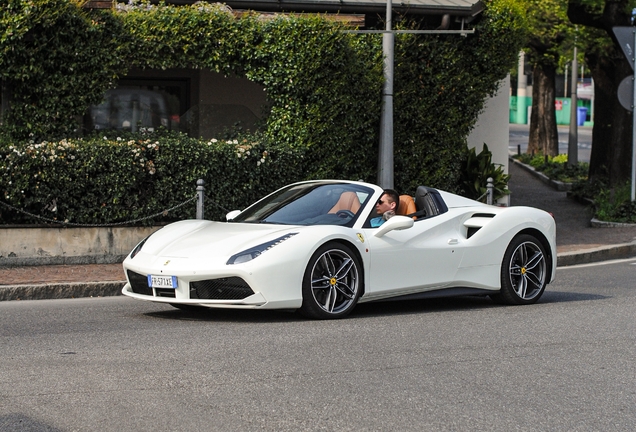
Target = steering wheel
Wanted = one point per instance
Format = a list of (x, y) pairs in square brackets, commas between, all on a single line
[(342, 214)]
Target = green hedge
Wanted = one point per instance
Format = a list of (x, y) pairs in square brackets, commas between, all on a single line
[(104, 180), (323, 86)]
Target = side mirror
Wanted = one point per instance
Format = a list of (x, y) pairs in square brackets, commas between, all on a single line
[(231, 215), (395, 223)]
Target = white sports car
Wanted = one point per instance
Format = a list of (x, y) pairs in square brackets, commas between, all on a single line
[(310, 246)]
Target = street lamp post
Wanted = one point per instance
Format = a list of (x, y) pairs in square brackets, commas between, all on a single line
[(385, 157), (573, 138)]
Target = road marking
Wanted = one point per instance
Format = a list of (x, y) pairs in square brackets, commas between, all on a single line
[(600, 263)]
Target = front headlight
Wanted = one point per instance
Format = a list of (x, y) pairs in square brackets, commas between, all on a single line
[(137, 248), (251, 253)]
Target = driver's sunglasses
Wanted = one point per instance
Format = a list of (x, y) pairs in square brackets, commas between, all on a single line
[(380, 202)]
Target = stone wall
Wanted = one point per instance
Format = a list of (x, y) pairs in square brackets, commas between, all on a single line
[(21, 246)]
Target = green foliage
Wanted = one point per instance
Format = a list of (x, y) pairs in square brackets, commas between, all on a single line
[(476, 171), (110, 179), (609, 204), (323, 88), (550, 32), (615, 205), (556, 167), (57, 58), (441, 83)]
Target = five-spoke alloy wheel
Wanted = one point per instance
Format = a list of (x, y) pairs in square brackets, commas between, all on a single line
[(524, 271), (332, 282)]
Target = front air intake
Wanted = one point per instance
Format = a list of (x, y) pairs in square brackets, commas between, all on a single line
[(139, 283), (230, 288)]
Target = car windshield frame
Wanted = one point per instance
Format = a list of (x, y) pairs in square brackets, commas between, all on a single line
[(307, 204)]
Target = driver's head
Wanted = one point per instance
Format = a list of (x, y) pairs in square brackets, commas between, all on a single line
[(389, 201)]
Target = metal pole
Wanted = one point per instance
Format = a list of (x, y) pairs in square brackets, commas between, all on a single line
[(200, 195), (634, 124), (573, 140), (490, 191), (385, 156), (522, 87)]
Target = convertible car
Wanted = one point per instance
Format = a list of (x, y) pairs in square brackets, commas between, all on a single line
[(310, 247)]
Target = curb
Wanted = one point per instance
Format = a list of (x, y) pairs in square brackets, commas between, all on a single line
[(602, 224), (61, 290), (554, 184), (602, 253)]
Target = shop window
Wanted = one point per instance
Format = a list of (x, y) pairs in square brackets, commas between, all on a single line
[(141, 103)]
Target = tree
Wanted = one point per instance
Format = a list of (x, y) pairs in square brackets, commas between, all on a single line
[(548, 28), (610, 159)]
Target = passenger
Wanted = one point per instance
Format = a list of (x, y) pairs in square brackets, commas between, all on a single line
[(386, 207)]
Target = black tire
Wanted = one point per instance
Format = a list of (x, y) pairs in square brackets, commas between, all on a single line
[(524, 271), (332, 282)]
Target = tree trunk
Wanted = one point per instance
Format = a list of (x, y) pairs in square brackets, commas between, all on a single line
[(611, 136), (612, 132), (544, 136)]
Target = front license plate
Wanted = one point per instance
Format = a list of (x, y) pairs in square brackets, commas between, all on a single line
[(162, 281)]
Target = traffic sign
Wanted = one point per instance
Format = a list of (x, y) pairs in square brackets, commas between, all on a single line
[(626, 92), (625, 36)]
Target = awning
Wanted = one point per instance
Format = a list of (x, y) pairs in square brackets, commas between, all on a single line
[(462, 8)]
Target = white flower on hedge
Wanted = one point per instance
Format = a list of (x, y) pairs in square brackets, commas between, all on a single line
[(118, 139)]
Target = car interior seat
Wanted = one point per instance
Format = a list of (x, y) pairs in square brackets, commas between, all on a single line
[(407, 206), (428, 202), (347, 201)]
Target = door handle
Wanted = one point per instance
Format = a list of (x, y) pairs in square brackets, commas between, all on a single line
[(453, 241)]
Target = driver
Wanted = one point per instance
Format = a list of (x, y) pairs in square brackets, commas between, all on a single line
[(386, 207)]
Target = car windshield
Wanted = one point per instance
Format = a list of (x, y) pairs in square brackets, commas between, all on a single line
[(310, 204)]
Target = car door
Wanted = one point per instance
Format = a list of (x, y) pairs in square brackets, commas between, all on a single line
[(423, 257)]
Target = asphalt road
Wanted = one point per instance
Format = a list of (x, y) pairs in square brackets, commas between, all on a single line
[(113, 364), (518, 140)]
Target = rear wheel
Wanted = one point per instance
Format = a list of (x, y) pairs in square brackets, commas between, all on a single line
[(524, 271), (332, 282)]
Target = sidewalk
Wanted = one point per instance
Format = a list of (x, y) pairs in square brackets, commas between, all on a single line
[(577, 243)]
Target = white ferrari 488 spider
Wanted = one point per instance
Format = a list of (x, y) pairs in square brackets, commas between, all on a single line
[(310, 247)]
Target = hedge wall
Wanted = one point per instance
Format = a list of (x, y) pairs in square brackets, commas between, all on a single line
[(323, 86)]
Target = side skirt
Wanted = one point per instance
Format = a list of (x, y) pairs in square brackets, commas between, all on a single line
[(447, 292)]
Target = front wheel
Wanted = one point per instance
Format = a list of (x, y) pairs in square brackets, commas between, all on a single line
[(524, 271), (332, 282)]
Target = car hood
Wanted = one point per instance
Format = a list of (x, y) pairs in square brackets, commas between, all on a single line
[(197, 238)]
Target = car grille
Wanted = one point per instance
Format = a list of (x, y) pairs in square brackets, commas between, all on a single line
[(166, 292), (231, 288), (139, 283)]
